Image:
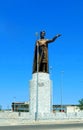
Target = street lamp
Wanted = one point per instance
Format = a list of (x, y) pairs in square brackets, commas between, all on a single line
[(14, 102), (51, 88), (61, 87), (36, 113), (50, 70)]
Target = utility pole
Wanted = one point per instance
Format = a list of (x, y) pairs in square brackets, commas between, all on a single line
[(61, 89), (36, 113), (52, 88)]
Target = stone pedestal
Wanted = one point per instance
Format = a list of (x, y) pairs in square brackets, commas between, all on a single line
[(40, 93)]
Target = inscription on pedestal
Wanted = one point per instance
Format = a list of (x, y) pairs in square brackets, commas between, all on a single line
[(40, 84)]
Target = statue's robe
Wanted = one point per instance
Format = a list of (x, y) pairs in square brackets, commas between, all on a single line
[(42, 58)]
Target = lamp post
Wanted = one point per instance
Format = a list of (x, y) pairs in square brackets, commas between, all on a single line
[(61, 87), (36, 113), (51, 71), (14, 102), (51, 89)]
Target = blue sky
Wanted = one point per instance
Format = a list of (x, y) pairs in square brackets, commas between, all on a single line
[(19, 21)]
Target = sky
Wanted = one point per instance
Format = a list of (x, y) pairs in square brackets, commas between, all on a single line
[(19, 22)]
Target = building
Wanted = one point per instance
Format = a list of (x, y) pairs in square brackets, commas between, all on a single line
[(59, 108), (20, 106), (24, 107), (66, 108)]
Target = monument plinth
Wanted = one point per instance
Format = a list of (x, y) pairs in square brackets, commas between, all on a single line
[(41, 93)]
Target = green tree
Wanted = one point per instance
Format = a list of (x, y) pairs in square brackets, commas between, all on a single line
[(0, 107), (81, 104)]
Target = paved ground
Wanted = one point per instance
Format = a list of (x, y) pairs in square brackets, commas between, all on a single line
[(71, 126), (12, 122)]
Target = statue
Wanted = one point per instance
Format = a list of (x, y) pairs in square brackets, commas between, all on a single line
[(41, 53)]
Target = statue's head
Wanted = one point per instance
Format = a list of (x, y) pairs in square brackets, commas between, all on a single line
[(42, 34)]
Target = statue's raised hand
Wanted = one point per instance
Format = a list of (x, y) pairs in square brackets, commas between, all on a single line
[(58, 35)]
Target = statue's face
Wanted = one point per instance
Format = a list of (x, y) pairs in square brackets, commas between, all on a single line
[(42, 34)]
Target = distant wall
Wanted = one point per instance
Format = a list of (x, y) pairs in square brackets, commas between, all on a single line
[(52, 116)]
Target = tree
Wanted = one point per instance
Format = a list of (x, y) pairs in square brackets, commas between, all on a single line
[(0, 107), (80, 104)]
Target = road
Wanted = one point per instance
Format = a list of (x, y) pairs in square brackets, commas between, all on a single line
[(74, 126)]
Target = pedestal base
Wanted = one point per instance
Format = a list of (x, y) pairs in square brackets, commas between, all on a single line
[(40, 94)]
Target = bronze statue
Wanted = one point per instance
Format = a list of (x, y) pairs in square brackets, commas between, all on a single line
[(41, 53)]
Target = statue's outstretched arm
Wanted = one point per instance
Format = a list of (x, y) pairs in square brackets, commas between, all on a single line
[(54, 38)]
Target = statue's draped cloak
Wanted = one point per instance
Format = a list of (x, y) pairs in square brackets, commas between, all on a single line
[(42, 59)]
